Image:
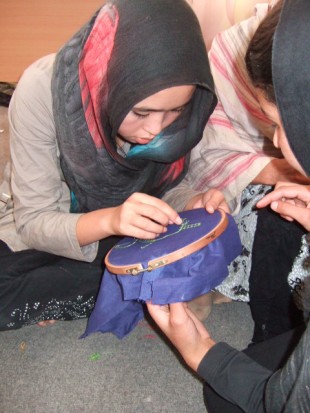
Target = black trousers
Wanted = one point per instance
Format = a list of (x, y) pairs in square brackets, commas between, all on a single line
[(276, 244), (36, 286), (272, 354)]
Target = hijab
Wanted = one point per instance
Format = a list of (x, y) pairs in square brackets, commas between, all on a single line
[(291, 81), (129, 50), (291, 76)]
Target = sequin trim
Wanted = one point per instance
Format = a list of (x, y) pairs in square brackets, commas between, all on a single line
[(236, 285), (53, 310)]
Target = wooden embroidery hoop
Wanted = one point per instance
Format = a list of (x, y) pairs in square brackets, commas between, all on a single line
[(137, 268)]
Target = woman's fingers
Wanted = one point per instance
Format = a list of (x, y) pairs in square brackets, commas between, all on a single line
[(186, 332), (143, 216), (292, 212), (155, 208), (211, 200), (300, 193)]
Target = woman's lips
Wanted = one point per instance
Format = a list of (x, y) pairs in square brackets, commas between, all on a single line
[(143, 141)]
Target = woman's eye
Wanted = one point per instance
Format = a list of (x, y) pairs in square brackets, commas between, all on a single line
[(178, 110), (140, 115)]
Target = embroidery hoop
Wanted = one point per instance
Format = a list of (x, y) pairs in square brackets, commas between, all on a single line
[(163, 260)]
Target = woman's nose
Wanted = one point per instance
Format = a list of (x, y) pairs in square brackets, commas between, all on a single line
[(154, 126), (275, 138)]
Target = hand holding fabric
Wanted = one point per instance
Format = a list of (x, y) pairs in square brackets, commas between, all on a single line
[(291, 201), (184, 330), (210, 200)]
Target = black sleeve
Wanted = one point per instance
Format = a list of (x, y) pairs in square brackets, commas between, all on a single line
[(235, 377), (288, 388)]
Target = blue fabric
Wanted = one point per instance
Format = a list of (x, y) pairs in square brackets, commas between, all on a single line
[(119, 305)]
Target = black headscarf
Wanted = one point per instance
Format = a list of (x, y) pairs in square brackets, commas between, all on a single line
[(291, 76), (128, 51), (291, 81)]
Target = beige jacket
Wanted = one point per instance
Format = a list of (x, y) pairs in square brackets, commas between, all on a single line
[(37, 216)]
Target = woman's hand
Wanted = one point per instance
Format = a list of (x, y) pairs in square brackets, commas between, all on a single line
[(184, 330), (291, 201), (143, 216), (210, 200)]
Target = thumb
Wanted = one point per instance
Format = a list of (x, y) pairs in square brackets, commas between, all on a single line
[(292, 212)]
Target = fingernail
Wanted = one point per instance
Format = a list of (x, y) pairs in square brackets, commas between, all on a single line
[(178, 221), (274, 205)]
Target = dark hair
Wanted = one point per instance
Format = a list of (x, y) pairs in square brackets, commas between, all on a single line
[(258, 58)]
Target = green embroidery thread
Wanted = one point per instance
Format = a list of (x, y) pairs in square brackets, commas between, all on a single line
[(186, 225)]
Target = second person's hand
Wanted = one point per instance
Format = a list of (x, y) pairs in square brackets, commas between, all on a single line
[(290, 201), (184, 330), (211, 200)]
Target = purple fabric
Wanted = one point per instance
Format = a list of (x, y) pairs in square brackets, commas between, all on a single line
[(119, 305)]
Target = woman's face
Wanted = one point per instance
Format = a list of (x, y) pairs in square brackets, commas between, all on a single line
[(279, 138), (153, 114)]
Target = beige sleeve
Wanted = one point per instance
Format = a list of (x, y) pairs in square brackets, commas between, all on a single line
[(180, 195), (40, 195)]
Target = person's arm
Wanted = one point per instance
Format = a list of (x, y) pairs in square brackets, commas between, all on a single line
[(216, 16), (233, 150), (179, 196), (285, 390), (184, 330), (238, 143), (279, 170), (235, 377), (41, 195), (231, 373), (141, 216), (184, 198), (210, 200)]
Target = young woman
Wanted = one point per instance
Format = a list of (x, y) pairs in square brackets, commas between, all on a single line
[(237, 156), (272, 376), (98, 133)]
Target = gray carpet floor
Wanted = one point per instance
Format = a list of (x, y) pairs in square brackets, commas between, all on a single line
[(50, 370)]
